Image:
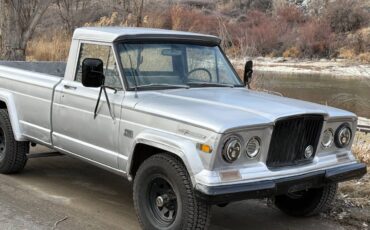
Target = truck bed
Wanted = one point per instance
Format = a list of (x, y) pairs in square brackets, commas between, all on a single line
[(31, 86), (51, 68)]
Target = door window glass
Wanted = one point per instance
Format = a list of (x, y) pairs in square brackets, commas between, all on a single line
[(105, 53)]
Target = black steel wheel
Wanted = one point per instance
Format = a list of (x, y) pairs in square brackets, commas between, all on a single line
[(162, 200), (13, 156), (164, 197)]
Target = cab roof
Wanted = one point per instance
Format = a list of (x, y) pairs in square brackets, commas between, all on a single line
[(112, 34)]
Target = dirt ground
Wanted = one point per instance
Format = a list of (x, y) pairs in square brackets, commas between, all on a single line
[(65, 193), (352, 206)]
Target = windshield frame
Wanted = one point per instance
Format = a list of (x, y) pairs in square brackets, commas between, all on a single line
[(162, 41)]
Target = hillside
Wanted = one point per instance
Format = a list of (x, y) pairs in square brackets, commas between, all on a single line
[(270, 28)]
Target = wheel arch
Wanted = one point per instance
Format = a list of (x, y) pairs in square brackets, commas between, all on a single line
[(149, 144), (7, 102)]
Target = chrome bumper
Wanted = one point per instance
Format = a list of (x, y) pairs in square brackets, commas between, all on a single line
[(267, 188)]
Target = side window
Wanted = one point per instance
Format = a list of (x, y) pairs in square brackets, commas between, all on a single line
[(105, 53)]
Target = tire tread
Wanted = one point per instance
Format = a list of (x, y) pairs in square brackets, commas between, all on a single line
[(198, 211), (17, 149)]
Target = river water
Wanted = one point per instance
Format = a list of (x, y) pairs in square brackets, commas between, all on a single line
[(349, 93)]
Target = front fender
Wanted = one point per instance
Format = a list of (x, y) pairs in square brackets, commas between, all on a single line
[(8, 99), (184, 148)]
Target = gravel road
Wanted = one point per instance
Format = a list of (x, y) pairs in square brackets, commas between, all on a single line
[(65, 193)]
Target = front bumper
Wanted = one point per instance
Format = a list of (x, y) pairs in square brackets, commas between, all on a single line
[(267, 188)]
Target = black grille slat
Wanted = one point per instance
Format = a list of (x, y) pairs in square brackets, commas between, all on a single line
[(290, 138)]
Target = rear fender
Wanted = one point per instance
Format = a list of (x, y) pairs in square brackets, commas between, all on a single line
[(8, 99)]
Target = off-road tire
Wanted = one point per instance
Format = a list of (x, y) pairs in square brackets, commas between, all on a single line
[(192, 213), (310, 203), (13, 157)]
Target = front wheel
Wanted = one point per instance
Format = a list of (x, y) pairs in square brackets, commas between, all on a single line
[(164, 197), (307, 203)]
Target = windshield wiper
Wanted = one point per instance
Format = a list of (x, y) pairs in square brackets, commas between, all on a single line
[(210, 84), (154, 85)]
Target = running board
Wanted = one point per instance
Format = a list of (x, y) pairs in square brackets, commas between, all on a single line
[(46, 154)]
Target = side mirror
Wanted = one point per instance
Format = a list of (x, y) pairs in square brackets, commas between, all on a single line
[(248, 72), (92, 72)]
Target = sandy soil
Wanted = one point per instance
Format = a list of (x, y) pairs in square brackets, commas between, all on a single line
[(341, 68)]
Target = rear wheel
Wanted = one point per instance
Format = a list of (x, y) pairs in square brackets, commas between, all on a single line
[(307, 203), (13, 156), (164, 197)]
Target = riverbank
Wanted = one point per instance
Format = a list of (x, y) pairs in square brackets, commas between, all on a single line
[(339, 67)]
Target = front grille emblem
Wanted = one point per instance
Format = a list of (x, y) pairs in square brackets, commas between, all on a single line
[(308, 151)]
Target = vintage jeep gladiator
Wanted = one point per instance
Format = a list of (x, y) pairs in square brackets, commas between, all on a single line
[(166, 110)]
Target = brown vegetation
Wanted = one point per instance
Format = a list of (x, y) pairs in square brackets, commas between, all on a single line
[(339, 29), (54, 47), (361, 147)]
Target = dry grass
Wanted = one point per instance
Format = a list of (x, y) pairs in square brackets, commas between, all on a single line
[(361, 147), (364, 57), (347, 53), (54, 47), (292, 52)]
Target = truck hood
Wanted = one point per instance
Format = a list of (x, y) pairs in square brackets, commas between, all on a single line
[(222, 109)]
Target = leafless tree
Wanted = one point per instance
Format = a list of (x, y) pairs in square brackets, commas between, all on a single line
[(138, 11), (18, 21), (70, 12), (130, 8)]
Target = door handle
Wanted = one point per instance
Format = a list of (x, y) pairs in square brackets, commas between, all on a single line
[(70, 87)]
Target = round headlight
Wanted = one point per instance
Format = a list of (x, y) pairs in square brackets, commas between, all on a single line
[(231, 150), (343, 136), (253, 147), (327, 138)]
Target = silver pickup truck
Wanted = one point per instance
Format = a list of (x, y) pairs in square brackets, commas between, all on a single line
[(166, 110)]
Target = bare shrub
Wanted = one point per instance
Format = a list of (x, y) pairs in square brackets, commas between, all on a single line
[(158, 18), (346, 15), (315, 38), (290, 14), (263, 32), (188, 19), (355, 45)]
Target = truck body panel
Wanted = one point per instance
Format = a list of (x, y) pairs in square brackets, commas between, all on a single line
[(59, 113)]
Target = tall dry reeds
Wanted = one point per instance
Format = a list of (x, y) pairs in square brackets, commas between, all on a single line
[(49, 47)]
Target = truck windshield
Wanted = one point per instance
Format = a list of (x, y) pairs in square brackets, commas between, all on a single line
[(174, 65)]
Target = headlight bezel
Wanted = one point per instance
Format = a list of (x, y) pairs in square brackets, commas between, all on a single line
[(232, 140), (330, 143), (257, 151), (337, 137)]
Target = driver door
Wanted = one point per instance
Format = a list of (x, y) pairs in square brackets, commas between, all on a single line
[(76, 131)]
